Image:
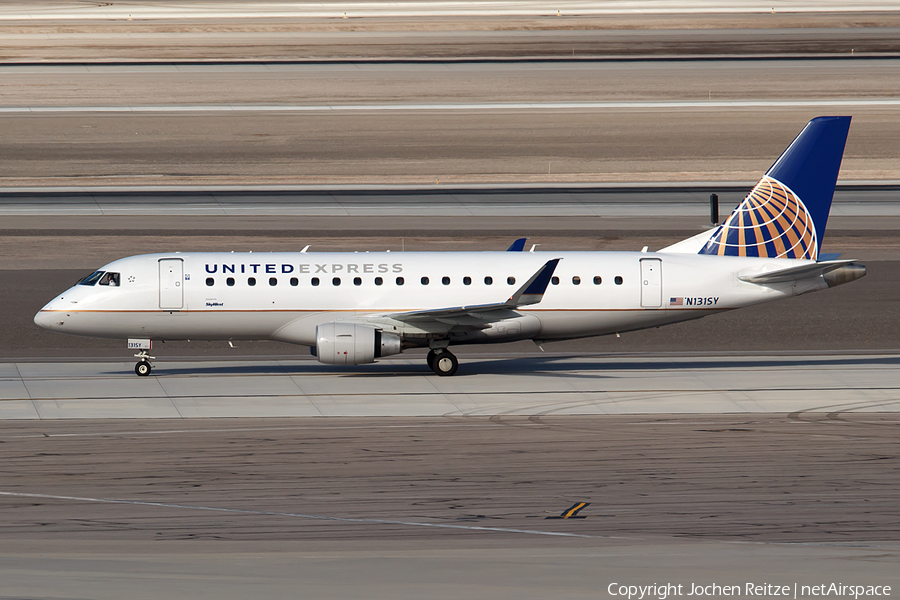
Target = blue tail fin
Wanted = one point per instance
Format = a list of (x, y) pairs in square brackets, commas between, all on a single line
[(517, 246), (786, 213)]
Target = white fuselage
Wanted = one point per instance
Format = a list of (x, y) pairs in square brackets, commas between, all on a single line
[(209, 296)]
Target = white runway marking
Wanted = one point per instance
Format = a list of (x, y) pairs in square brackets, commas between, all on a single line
[(245, 430), (456, 202), (674, 104), (304, 516), (410, 8)]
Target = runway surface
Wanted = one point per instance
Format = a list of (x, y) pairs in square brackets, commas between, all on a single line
[(426, 31), (706, 81), (188, 505), (487, 386), (445, 508), (416, 147), (537, 122), (767, 454), (404, 8), (653, 203), (849, 104)]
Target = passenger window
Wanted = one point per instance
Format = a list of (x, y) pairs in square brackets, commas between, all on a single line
[(273, 281), (379, 281), (554, 280), (251, 281), (400, 281), (488, 280), (467, 281), (357, 281), (229, 282), (597, 280), (210, 281), (511, 281), (314, 281), (336, 281), (424, 281), (445, 281), (294, 281), (110, 278), (619, 280), (576, 280)]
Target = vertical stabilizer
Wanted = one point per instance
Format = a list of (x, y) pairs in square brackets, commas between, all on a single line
[(786, 213)]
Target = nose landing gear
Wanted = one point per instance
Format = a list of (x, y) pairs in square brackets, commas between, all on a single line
[(143, 366), (142, 345)]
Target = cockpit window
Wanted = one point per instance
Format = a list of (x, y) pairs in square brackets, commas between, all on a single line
[(101, 277), (92, 278), (110, 278)]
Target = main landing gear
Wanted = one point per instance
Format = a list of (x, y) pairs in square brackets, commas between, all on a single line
[(143, 366), (442, 362)]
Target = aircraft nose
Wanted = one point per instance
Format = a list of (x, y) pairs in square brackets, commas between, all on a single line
[(46, 319)]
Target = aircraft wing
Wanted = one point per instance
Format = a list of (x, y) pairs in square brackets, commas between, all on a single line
[(531, 292), (796, 273)]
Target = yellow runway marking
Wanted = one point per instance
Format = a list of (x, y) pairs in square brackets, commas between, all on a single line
[(572, 511)]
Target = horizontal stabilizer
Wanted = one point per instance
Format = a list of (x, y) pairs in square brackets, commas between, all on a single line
[(796, 273)]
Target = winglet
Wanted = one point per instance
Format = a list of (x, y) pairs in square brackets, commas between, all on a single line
[(530, 293), (517, 246), (533, 290)]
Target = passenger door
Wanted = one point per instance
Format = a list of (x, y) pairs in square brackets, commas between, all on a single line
[(651, 283), (171, 283)]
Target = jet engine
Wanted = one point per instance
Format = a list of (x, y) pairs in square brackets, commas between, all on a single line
[(353, 344), (845, 274)]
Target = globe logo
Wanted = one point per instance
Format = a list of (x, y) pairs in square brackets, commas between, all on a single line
[(771, 222)]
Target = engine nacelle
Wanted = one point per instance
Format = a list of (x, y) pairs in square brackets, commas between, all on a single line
[(353, 344), (845, 274)]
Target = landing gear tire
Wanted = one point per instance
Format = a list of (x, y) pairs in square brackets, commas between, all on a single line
[(444, 363), (142, 368), (430, 359)]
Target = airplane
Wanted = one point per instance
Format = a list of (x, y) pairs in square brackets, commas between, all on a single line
[(357, 307)]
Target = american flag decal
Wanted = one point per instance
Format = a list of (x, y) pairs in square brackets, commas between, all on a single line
[(679, 301)]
